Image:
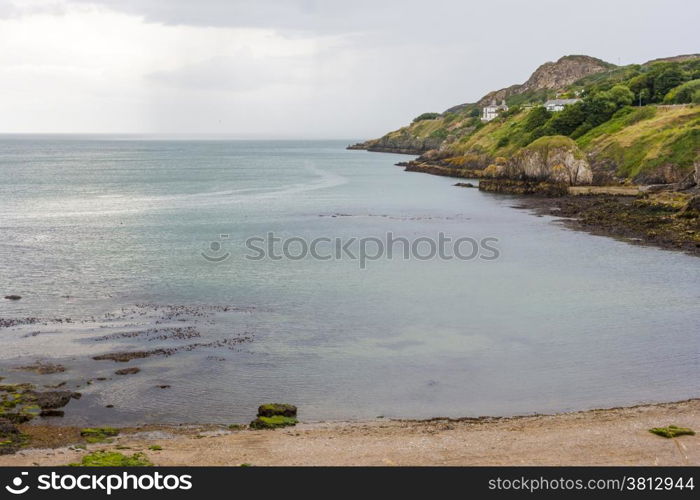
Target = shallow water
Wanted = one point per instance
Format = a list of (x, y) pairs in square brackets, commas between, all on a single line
[(110, 233)]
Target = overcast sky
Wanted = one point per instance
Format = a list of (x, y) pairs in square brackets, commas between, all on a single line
[(308, 68)]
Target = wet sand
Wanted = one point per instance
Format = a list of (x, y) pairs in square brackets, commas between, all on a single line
[(617, 436)]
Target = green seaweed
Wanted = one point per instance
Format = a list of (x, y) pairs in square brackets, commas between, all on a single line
[(113, 459), (672, 431), (99, 434), (273, 422), (155, 447)]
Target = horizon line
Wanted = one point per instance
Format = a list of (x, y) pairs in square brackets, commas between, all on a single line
[(178, 135)]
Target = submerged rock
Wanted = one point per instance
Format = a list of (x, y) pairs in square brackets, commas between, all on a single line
[(52, 413), (53, 399), (13, 297), (128, 371), (43, 368), (21, 402)]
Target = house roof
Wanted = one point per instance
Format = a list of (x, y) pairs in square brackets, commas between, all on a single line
[(564, 102)]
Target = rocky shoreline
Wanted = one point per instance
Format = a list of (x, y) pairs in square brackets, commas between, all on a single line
[(644, 220), (615, 436), (665, 216)]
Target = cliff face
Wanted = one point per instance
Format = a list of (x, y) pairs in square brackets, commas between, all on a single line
[(555, 159)]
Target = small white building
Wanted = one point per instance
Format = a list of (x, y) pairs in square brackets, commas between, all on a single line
[(491, 111), (559, 104)]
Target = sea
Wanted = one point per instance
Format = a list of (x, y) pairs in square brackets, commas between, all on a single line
[(233, 273)]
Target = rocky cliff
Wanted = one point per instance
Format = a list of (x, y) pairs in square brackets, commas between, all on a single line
[(555, 159), (551, 76), (547, 166)]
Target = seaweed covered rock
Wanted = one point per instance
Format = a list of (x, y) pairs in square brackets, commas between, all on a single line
[(275, 415), (99, 434), (10, 437), (672, 431), (272, 409), (510, 186), (273, 422), (20, 402), (112, 459)]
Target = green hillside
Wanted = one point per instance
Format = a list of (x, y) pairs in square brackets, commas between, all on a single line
[(637, 122)]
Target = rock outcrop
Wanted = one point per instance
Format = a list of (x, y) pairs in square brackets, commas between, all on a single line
[(550, 76), (401, 141), (555, 159)]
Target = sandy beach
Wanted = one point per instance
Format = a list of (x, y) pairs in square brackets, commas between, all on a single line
[(617, 436)]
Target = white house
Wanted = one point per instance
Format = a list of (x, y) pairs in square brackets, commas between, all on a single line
[(491, 111), (559, 104)]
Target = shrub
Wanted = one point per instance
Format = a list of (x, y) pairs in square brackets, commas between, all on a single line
[(536, 118), (503, 142), (426, 116), (684, 93), (440, 133)]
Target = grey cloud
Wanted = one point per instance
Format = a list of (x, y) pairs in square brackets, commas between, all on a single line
[(236, 73), (378, 63)]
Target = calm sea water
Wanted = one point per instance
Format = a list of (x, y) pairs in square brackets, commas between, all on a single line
[(103, 238)]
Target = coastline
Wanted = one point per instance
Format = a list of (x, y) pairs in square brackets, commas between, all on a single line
[(627, 213), (620, 217), (615, 436)]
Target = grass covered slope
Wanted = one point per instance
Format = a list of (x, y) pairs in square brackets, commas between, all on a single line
[(647, 145), (651, 144)]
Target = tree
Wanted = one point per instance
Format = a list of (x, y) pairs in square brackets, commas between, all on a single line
[(566, 121), (620, 95), (665, 81), (644, 96), (536, 118)]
